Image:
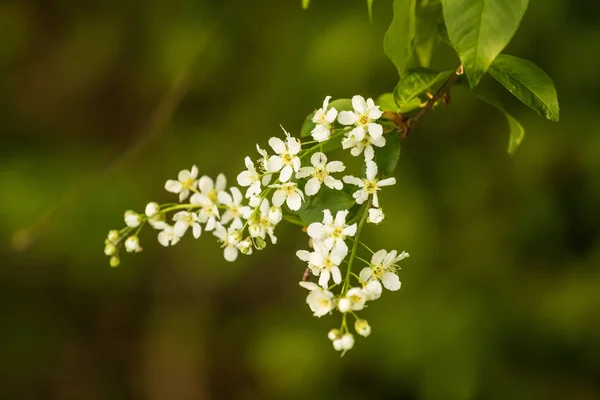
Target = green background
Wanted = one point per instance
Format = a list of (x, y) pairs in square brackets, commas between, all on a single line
[(103, 101)]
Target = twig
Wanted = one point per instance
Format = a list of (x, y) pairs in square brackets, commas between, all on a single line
[(410, 122)]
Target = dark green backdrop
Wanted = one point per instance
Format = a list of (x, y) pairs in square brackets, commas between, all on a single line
[(102, 101)]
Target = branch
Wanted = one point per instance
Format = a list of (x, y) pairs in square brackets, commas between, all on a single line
[(411, 122)]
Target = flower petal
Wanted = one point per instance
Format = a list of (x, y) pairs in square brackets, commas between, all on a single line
[(316, 230), (274, 164), (318, 160), (390, 281), (347, 118), (205, 184), (304, 172), (312, 186), (278, 197), (173, 186), (230, 253), (277, 145), (286, 173), (378, 257), (371, 170), (294, 201), (387, 182), (335, 166), (353, 180), (359, 104)]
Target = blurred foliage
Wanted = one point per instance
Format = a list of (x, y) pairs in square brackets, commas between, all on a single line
[(105, 100)]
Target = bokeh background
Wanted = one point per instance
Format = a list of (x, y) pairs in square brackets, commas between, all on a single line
[(102, 101)]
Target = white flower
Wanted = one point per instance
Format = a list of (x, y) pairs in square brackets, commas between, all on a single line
[(132, 244), (186, 182), (209, 213), (366, 131), (323, 119), (288, 193), (132, 219), (211, 189), (185, 219), (344, 343), (369, 185), (251, 178), (152, 209), (262, 223), (319, 300), (375, 215), (372, 290), (326, 263), (332, 232), (275, 215), (383, 268), (287, 160), (230, 238), (235, 209), (362, 327), (320, 174), (167, 236), (354, 300)]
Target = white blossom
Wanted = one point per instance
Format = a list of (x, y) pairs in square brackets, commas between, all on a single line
[(235, 209), (369, 185), (375, 215), (288, 193), (320, 301), (262, 223), (250, 178), (132, 219), (286, 160), (208, 213), (230, 238), (320, 172), (167, 236), (354, 300), (332, 232), (372, 290), (323, 119), (184, 220), (366, 132), (326, 262), (211, 189), (362, 327), (383, 268), (186, 182), (132, 244)]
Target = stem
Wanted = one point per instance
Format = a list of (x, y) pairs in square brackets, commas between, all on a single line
[(355, 246), (440, 93), (293, 220)]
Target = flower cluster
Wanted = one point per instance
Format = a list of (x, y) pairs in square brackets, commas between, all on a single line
[(275, 186)]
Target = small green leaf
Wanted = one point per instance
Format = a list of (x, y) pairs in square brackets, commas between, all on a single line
[(416, 82), (370, 7), (516, 130), (305, 4), (429, 14), (341, 105), (529, 83), (480, 29), (387, 157), (334, 200), (399, 38), (386, 103), (307, 125)]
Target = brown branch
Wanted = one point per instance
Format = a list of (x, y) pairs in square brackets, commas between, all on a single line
[(441, 93)]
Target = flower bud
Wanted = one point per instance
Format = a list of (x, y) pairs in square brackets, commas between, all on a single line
[(347, 341), (372, 290), (275, 215), (259, 243), (152, 209), (362, 327), (234, 237), (333, 334), (132, 244), (132, 219), (245, 246), (344, 305), (113, 235), (255, 230), (110, 249), (114, 261)]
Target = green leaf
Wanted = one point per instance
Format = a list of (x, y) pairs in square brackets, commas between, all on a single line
[(305, 4), (516, 130), (334, 200), (416, 82), (370, 7), (399, 38), (386, 102), (307, 125), (429, 14), (480, 29), (529, 83), (387, 157)]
